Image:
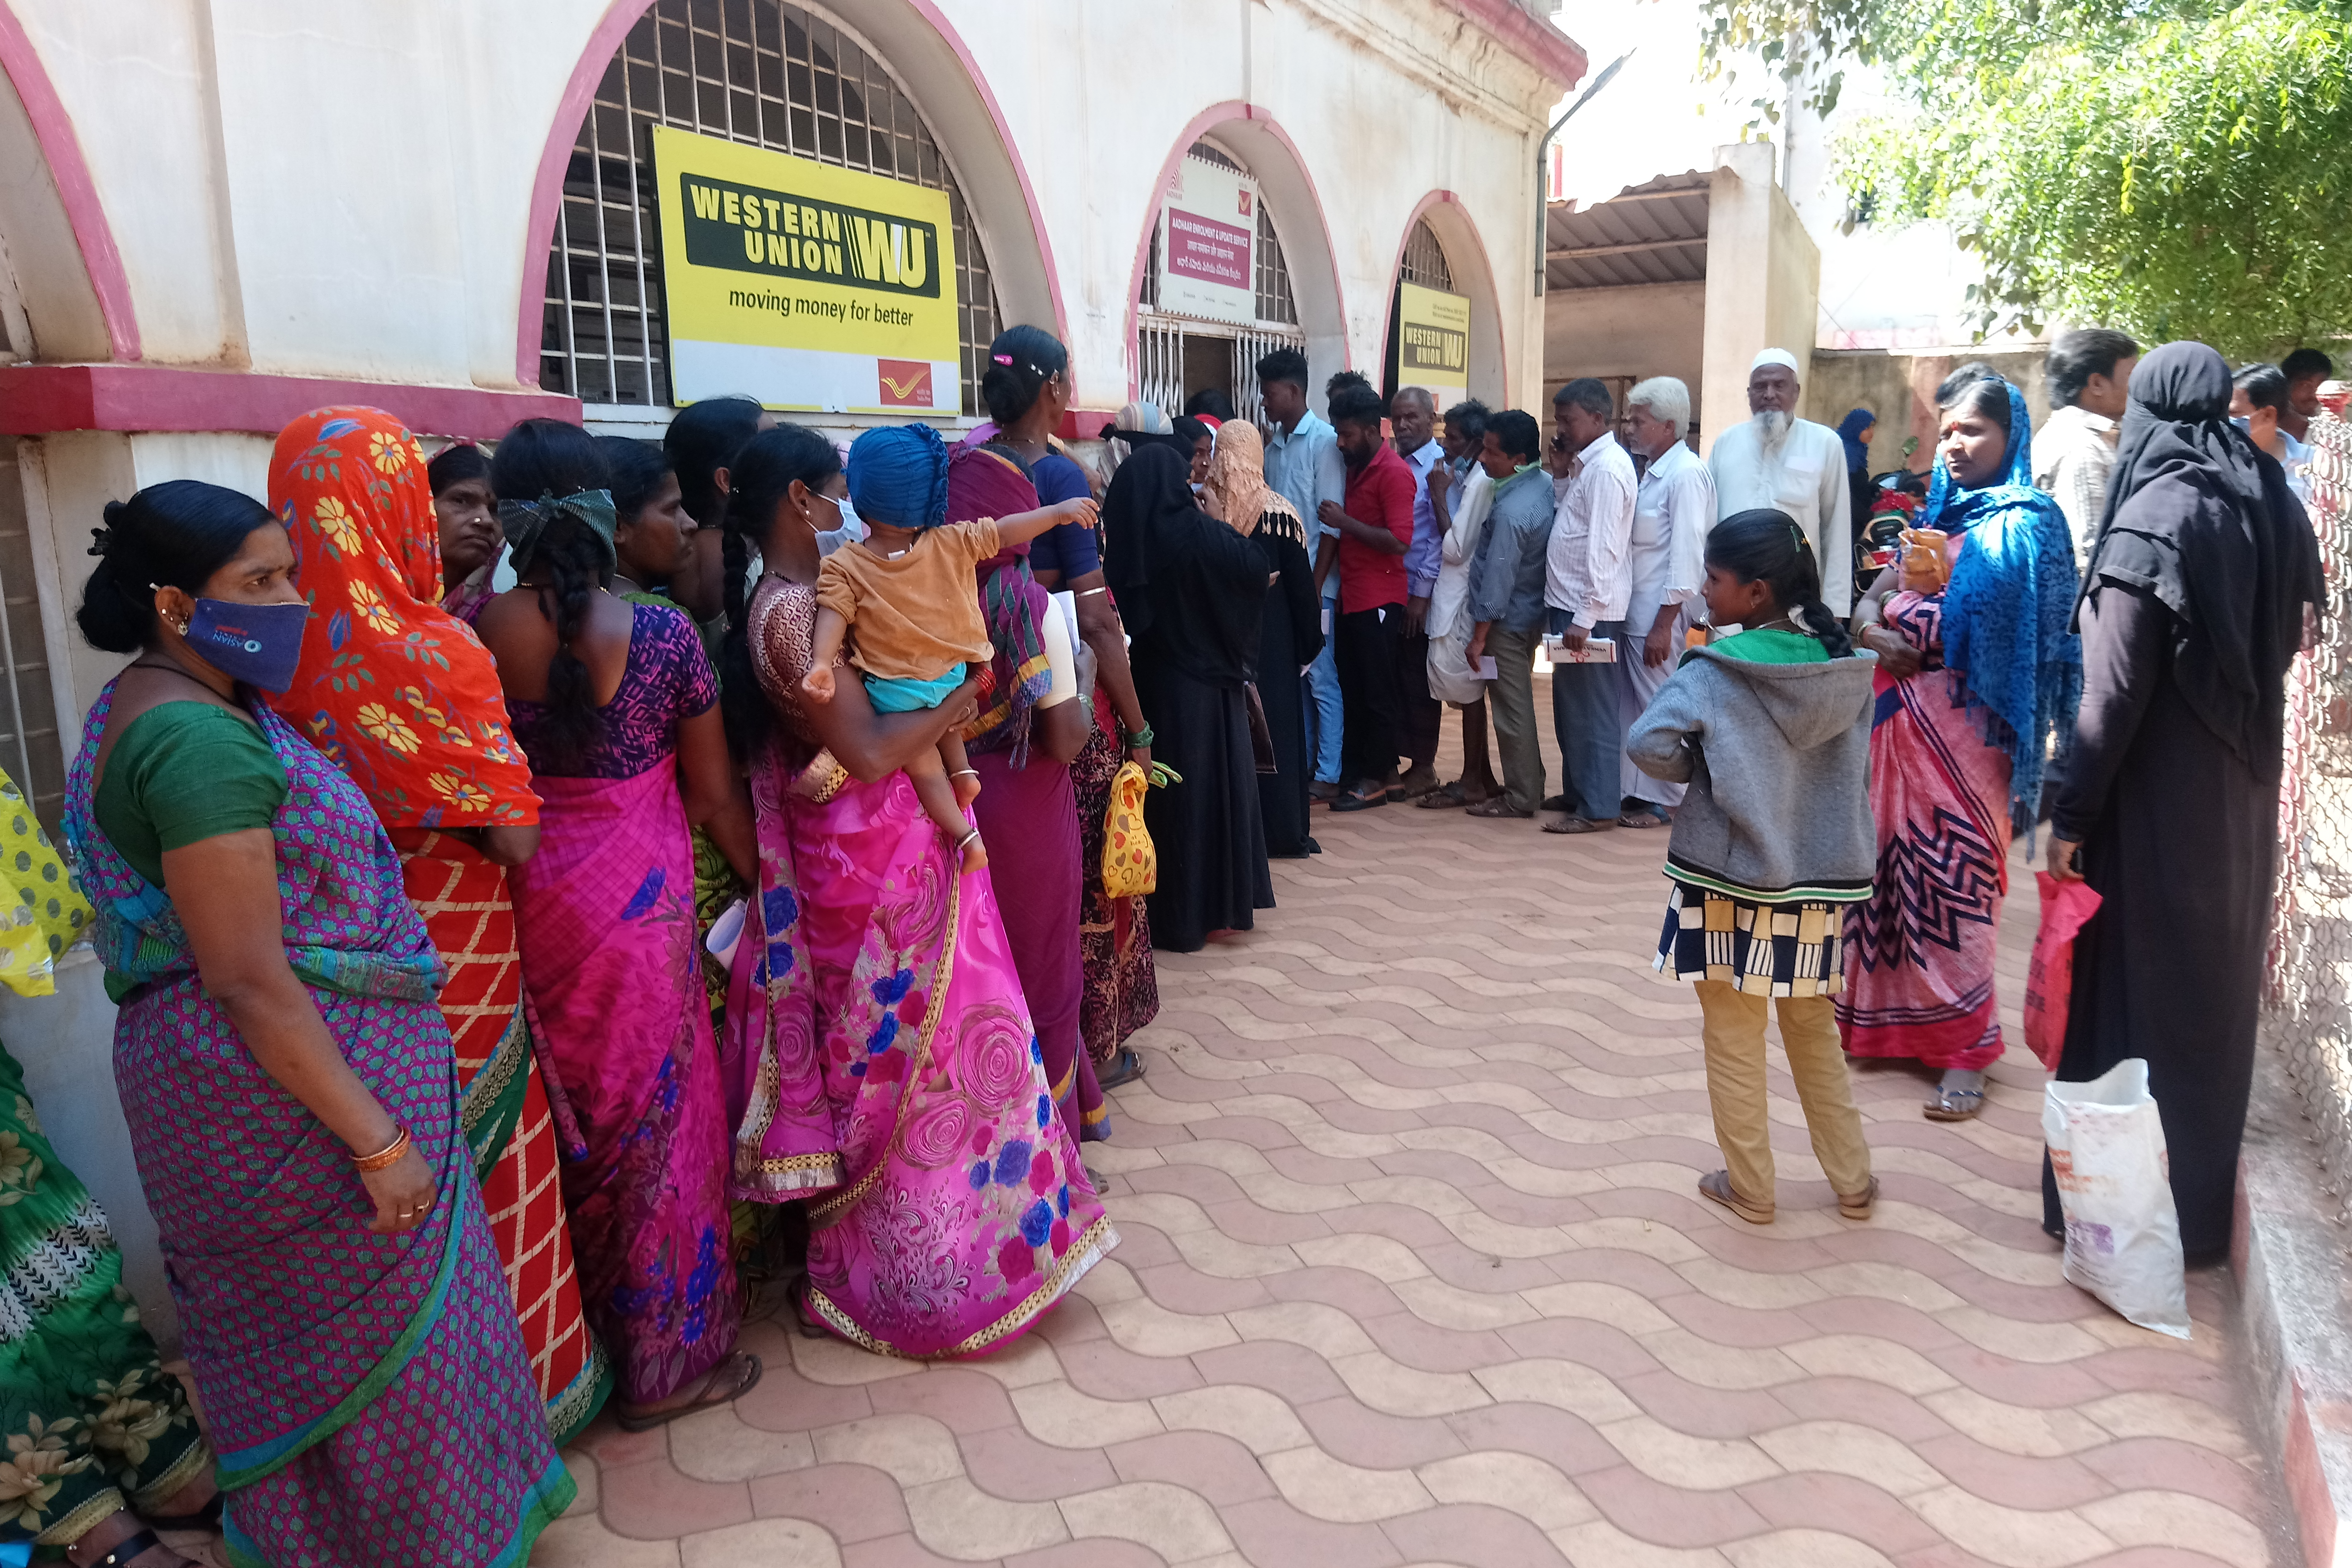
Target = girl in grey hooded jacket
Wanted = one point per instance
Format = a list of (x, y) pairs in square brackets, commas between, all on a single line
[(1771, 729)]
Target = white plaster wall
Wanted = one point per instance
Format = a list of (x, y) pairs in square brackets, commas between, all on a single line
[(1651, 329), (346, 191)]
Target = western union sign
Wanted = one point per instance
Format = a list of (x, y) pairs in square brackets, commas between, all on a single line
[(806, 287), (1433, 337)]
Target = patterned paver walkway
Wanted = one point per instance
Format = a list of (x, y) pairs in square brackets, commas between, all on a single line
[(1412, 1272)]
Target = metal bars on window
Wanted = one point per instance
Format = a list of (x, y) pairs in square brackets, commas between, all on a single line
[(1424, 259), (1273, 300), (761, 72), (30, 747)]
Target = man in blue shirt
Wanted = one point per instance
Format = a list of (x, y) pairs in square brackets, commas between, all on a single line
[(1412, 421), (1303, 465), (1506, 603)]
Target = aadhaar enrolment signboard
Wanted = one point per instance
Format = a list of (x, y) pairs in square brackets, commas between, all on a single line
[(1208, 235), (803, 286)]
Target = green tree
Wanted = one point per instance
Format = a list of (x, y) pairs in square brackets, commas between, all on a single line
[(2178, 168)]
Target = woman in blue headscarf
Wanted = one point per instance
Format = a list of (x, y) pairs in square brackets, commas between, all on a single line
[(1853, 434), (1975, 683)]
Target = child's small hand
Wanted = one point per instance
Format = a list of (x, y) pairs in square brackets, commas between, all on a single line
[(817, 684), (1079, 509)]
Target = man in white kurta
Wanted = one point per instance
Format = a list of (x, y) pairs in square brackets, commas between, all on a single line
[(1780, 462), (1672, 510)]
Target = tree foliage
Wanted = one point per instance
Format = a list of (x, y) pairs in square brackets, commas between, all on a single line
[(2178, 168)]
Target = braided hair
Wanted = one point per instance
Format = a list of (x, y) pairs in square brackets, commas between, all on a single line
[(1768, 546), (551, 458), (763, 481)]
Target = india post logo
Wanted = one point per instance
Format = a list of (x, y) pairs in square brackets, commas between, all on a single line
[(905, 382)]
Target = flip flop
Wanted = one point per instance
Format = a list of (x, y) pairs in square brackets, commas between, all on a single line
[(1580, 824), (1716, 1187), (1360, 802), (1643, 819), (1954, 1105), (1857, 1207), (747, 1377), (1125, 1068), (1497, 806), (1445, 797)]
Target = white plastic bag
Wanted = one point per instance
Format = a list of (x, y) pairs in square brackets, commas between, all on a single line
[(2123, 1234)]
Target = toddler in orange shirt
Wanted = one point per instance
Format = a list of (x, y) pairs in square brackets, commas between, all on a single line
[(907, 603)]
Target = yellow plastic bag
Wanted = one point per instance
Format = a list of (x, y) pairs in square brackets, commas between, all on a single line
[(1131, 865), (42, 910)]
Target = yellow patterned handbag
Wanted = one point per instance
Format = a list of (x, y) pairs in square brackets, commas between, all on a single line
[(1131, 866)]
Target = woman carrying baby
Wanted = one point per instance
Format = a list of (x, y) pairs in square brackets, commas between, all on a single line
[(904, 602)]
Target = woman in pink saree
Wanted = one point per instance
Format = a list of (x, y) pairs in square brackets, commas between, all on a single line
[(879, 1051)]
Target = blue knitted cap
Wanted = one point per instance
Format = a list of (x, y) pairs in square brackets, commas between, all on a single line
[(898, 475)]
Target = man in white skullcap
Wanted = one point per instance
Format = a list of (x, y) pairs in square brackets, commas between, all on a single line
[(1790, 464)]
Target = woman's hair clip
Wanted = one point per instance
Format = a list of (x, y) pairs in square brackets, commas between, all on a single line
[(101, 539), (1001, 359)]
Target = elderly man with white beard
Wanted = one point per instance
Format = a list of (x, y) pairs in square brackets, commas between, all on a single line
[(1790, 465), (1672, 510)]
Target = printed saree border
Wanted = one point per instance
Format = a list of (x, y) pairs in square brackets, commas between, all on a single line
[(1089, 1249)]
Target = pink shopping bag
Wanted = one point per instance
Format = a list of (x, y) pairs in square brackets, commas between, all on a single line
[(2050, 979)]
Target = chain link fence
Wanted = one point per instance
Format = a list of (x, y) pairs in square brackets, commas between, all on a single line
[(2307, 1007)]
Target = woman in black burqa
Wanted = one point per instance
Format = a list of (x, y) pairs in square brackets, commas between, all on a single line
[(2192, 607), (1191, 591)]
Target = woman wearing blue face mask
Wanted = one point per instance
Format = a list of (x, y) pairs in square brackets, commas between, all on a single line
[(288, 1077)]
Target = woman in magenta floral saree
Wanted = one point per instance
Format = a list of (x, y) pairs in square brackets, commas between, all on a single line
[(879, 1042)]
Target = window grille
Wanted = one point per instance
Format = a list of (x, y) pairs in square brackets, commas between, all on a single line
[(30, 747), (1273, 300), (761, 72), (1424, 259)]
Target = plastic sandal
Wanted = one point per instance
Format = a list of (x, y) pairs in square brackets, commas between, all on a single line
[(1857, 1207)]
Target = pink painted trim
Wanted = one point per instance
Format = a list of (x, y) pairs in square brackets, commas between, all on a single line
[(547, 188), (954, 41), (1388, 323), (1209, 118), (40, 399), (580, 93), (53, 128), (1548, 49)]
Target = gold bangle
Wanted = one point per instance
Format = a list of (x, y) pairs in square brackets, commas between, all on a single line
[(388, 1155)]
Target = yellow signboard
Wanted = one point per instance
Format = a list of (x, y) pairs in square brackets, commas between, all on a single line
[(1433, 339), (805, 286)]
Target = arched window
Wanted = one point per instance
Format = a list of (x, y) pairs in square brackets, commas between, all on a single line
[(762, 72), (1424, 263), (1178, 354), (1424, 259)]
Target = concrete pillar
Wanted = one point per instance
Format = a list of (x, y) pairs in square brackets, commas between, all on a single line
[(1763, 282)]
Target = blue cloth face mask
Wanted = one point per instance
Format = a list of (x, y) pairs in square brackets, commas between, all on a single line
[(258, 644)]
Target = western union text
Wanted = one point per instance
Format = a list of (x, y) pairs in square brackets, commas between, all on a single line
[(745, 228)]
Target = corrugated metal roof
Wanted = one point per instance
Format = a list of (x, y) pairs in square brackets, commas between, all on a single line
[(1651, 233)]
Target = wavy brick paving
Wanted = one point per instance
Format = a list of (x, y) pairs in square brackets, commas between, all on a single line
[(1413, 1273)]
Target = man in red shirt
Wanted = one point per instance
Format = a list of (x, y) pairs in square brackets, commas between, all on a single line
[(1375, 527)]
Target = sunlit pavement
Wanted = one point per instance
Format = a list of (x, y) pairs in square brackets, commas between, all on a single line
[(1412, 1271)]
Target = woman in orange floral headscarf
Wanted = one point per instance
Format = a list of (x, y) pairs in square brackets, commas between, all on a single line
[(406, 701)]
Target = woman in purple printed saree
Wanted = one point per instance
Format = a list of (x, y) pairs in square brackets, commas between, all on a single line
[(369, 1395), (878, 1045)]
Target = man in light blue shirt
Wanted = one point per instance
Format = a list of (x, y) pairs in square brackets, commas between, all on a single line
[(1303, 465), (1412, 419)]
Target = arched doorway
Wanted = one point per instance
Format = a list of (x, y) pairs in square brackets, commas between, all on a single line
[(773, 74), (1181, 348), (1292, 295), (1442, 255)]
